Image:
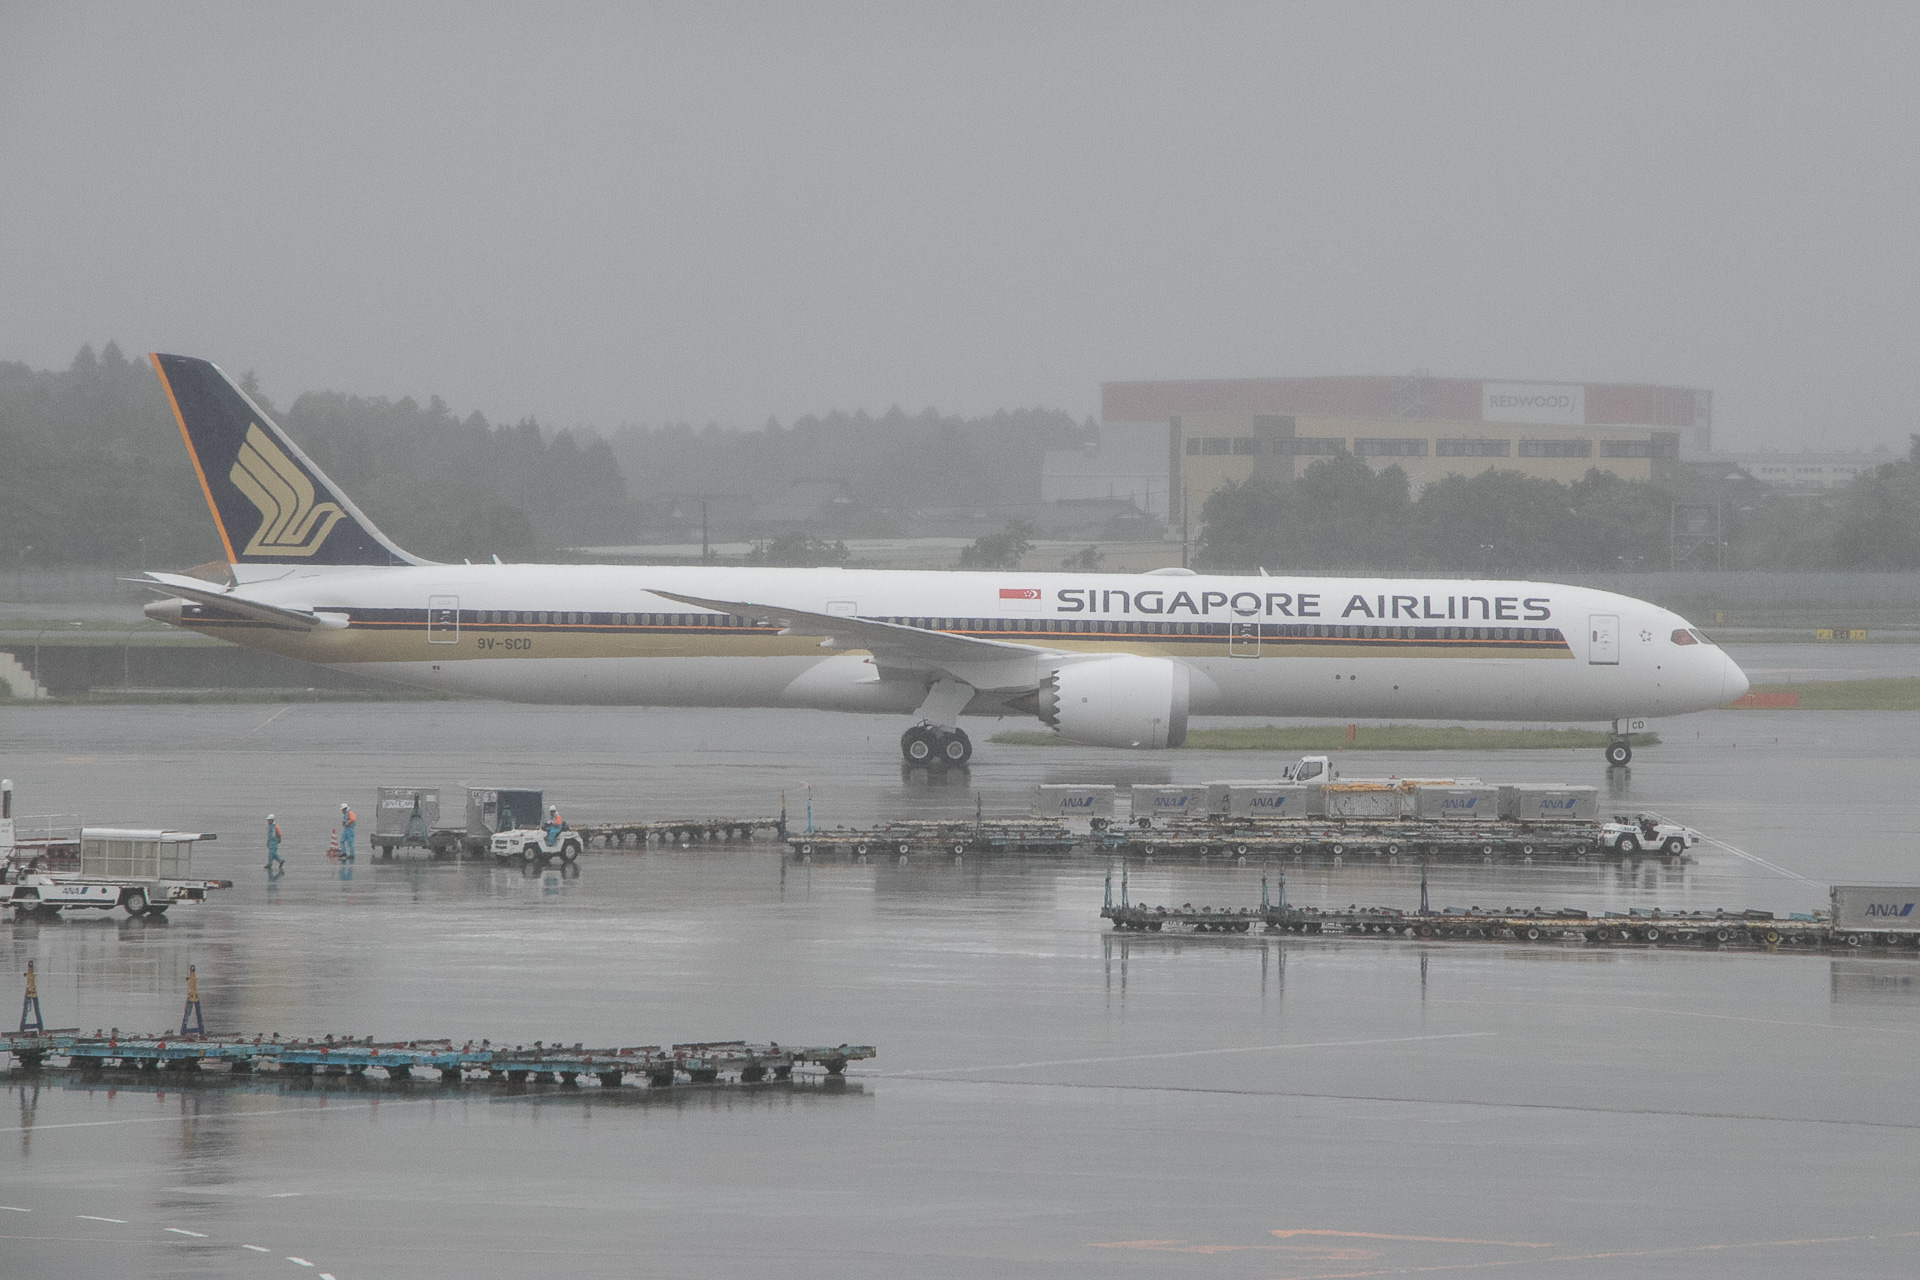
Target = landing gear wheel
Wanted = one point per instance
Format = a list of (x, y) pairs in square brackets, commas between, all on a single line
[(955, 747), (1619, 752), (918, 745)]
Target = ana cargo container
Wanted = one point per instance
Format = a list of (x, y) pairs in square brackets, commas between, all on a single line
[(1151, 803), (1219, 793), (1277, 800), (1366, 801), (1556, 802), (1876, 913), (492, 809), (1093, 803), (404, 817), (1456, 804)]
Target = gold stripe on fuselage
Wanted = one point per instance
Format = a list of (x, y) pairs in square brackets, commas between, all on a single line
[(381, 641)]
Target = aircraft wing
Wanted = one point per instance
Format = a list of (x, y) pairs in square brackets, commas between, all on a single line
[(202, 592), (885, 640)]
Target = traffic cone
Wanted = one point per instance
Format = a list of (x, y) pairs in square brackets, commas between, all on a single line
[(333, 845)]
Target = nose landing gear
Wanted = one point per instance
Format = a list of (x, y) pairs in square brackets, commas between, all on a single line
[(1619, 752), (931, 744)]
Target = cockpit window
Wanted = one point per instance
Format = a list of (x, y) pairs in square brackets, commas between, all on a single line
[(1699, 635), (1684, 636)]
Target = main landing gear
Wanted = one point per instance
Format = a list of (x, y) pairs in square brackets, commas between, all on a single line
[(1620, 750), (930, 744)]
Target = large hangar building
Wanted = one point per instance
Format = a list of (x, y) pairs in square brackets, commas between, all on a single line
[(1222, 429)]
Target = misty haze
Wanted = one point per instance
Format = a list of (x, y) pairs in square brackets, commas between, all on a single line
[(957, 640)]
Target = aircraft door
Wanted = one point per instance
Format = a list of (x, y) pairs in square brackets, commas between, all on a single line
[(1243, 638), (443, 619), (1603, 640)]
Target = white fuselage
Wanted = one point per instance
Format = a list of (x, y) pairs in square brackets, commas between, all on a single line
[(1346, 647)]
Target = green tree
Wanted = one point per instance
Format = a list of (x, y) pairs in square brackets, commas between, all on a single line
[(1341, 513), (801, 550), (1494, 522), (1001, 550), (1879, 524), (1085, 560)]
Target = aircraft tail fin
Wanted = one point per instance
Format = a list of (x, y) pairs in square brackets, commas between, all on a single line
[(271, 504)]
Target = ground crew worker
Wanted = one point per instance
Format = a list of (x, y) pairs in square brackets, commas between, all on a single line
[(273, 843), (554, 824), (347, 823)]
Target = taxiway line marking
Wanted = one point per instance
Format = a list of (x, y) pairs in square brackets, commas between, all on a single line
[(1404, 1100), (1759, 861), (1608, 1255), (91, 1218), (1288, 1232), (182, 1231)]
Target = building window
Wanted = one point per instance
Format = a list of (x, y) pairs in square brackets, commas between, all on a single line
[(1657, 447), (1556, 448), (1472, 448), (1245, 444), (1390, 448), (1310, 446), (1215, 444)]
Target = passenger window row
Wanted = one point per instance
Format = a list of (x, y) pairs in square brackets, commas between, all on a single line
[(1122, 627)]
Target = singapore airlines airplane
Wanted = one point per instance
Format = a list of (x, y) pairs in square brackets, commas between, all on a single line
[(1104, 659)]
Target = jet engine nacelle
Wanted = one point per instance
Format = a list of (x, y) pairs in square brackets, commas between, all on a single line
[(1119, 701)]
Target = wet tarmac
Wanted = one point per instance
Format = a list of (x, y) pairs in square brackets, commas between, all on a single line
[(1050, 1098)]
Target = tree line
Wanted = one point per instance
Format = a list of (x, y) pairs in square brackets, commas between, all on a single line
[(894, 461), (1342, 514), (93, 471)]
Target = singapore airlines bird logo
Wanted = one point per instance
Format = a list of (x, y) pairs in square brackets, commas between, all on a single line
[(291, 522)]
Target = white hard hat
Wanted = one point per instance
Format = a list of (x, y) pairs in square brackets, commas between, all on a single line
[(343, 806), (269, 817)]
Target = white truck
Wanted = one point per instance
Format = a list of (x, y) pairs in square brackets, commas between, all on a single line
[(536, 844), (1646, 832), (146, 872)]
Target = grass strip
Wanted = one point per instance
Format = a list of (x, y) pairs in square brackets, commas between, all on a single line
[(1390, 737), (1888, 693)]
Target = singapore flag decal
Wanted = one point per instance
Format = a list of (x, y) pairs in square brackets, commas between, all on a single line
[(1017, 599)]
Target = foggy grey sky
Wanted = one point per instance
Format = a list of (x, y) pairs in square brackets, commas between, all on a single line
[(721, 212)]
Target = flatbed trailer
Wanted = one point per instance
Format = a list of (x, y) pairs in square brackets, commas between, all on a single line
[(614, 835), (1645, 927), (901, 839), (1320, 838), (701, 1063)]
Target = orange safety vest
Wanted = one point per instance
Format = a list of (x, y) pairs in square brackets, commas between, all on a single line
[(349, 820)]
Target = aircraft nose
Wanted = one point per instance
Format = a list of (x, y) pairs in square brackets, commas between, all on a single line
[(1733, 681)]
